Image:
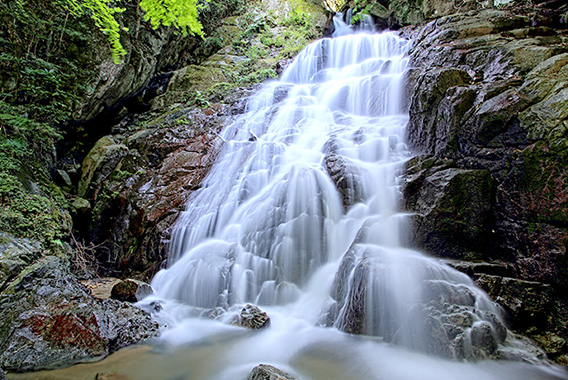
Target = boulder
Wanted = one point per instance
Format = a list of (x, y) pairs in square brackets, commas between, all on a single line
[(346, 179), (15, 256), (131, 290), (251, 317), (451, 208), (99, 164), (48, 319), (268, 372)]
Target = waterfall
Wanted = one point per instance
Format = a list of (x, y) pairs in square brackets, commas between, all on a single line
[(300, 215)]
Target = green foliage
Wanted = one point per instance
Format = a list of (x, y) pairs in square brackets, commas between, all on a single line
[(25, 214), (260, 75), (198, 99), (256, 52), (298, 18), (104, 16), (182, 14), (334, 5), (270, 40)]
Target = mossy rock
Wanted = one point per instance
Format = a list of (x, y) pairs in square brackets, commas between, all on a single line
[(106, 152), (15, 255), (544, 184), (452, 208)]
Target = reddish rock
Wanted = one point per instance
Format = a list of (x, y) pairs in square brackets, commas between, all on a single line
[(49, 319), (136, 204)]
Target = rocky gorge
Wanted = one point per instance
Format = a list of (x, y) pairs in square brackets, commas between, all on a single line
[(487, 189)]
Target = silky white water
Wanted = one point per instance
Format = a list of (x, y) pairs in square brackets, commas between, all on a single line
[(300, 216)]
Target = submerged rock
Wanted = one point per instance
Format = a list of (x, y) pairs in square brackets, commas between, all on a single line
[(49, 319), (268, 372)]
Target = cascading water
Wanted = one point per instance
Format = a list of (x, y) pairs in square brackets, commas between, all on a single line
[(299, 214)]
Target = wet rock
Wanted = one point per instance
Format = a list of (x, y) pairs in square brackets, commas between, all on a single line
[(15, 255), (131, 290), (213, 313), (438, 319), (482, 337), (451, 208), (492, 117), (137, 202), (251, 317), (49, 319), (442, 93), (346, 179), (268, 372)]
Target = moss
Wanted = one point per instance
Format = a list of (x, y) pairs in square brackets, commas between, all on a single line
[(544, 184)]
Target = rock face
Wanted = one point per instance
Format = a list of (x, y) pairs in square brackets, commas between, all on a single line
[(476, 118), (488, 113), (451, 205), (153, 52), (140, 187), (396, 13), (268, 372), (49, 319)]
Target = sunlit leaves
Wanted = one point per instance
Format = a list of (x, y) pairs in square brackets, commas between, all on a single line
[(182, 14)]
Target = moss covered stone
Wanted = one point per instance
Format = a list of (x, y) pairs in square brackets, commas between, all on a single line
[(452, 209), (544, 184)]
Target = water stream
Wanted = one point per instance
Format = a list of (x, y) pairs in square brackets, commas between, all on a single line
[(300, 215)]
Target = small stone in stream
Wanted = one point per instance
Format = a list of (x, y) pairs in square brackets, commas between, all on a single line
[(111, 376), (253, 318), (131, 290), (268, 372)]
